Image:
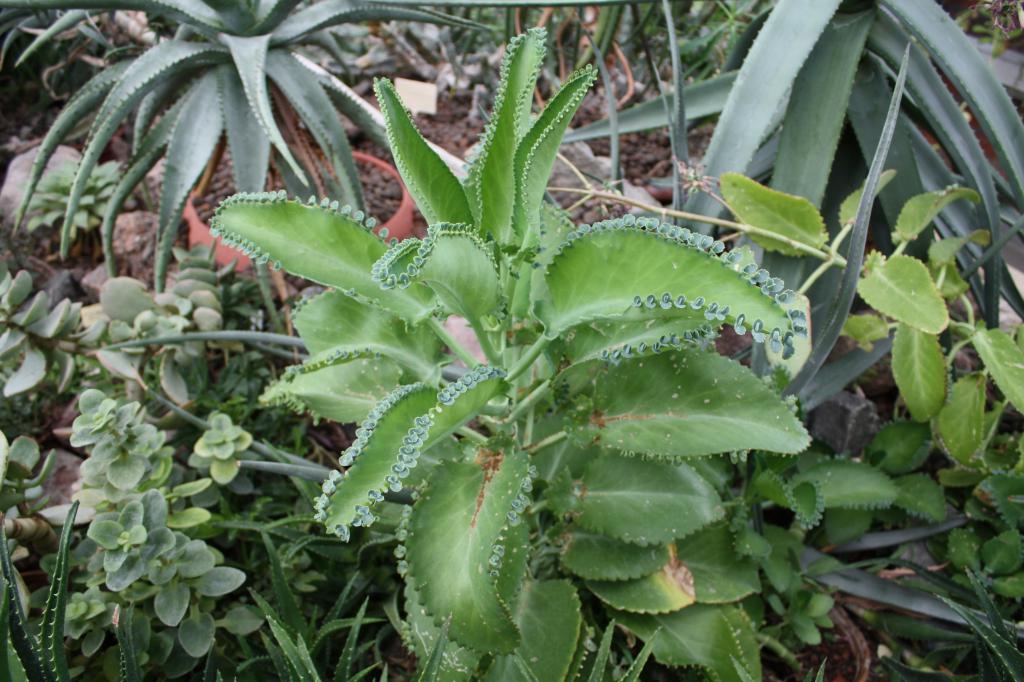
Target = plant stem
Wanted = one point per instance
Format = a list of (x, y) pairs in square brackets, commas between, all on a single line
[(222, 335), (529, 401), (472, 435), (709, 220), (526, 361), (780, 650), (546, 441), (833, 251), (493, 357), (453, 345)]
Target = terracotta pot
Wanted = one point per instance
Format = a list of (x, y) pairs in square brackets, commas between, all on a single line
[(399, 225)]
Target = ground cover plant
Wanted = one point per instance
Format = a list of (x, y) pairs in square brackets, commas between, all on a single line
[(766, 428)]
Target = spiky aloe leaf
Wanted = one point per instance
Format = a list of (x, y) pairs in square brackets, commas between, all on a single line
[(343, 392), (453, 261), (248, 144), (333, 322), (456, 544), (491, 174), (686, 403), (849, 484), (536, 153), (548, 616), (51, 635), (321, 242), (598, 557), (604, 270), (703, 635), (438, 193), (637, 501), (390, 440)]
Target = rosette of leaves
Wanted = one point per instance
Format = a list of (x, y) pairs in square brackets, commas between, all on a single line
[(219, 448), (192, 304), (35, 334), (124, 451), (230, 71), (597, 340), (51, 198), (89, 616)]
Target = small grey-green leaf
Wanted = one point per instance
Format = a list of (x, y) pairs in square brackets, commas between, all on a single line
[(196, 635), (219, 581), (171, 603)]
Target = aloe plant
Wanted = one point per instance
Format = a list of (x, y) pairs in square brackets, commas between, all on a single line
[(600, 386), (215, 78)]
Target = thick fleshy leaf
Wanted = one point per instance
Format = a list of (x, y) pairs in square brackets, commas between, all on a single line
[(719, 572), (491, 175), (548, 616), (850, 484), (921, 496), (669, 589), (642, 502), (789, 216), (421, 634), (901, 288), (454, 534), (248, 144), (390, 440), (918, 213), (1004, 360), (685, 404), (536, 153), (324, 243), (343, 392), (704, 635), (454, 262), (919, 369), (900, 447), (598, 557), (962, 419), (30, 372), (602, 271), (438, 193), (334, 322)]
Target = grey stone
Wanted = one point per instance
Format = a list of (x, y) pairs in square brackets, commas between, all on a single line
[(63, 480), (62, 284), (846, 422), (94, 281), (18, 172), (135, 243)]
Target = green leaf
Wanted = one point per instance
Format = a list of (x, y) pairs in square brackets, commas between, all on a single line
[(644, 502), (668, 590), (29, 374), (919, 368), (454, 262), (849, 484), (437, 192), (219, 581), (789, 216), (704, 635), (598, 557), (548, 616), (195, 634), (900, 447), (454, 530), (919, 212), (865, 329), (336, 247), (535, 156), (191, 517), (1006, 492), (171, 603), (807, 502), (248, 144), (421, 635), (223, 471), (241, 620), (964, 548), (685, 404), (389, 443), (1004, 360), (718, 572), (962, 420), (491, 175), (333, 322), (604, 270), (921, 496), (901, 288), (343, 392), (1002, 554)]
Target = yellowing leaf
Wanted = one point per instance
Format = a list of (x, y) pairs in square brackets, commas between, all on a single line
[(784, 214)]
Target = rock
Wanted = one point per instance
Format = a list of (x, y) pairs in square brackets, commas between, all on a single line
[(94, 280), (62, 284), (846, 422), (62, 482), (580, 155), (135, 243), (18, 172)]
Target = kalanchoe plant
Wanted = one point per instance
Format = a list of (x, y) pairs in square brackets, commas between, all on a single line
[(216, 77), (219, 448), (597, 341), (51, 198)]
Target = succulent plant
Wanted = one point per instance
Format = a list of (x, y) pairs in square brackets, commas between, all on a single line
[(51, 198), (219, 448)]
